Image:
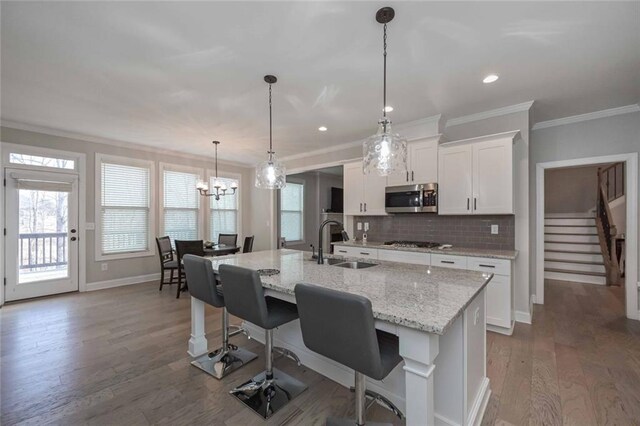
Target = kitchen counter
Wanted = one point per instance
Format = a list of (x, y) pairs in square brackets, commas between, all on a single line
[(457, 251), (438, 314), (421, 297)]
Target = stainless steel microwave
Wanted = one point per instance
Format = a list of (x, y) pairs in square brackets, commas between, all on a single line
[(422, 198)]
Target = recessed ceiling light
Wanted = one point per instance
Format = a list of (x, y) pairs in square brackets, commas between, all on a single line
[(322, 128), (490, 78), (388, 108)]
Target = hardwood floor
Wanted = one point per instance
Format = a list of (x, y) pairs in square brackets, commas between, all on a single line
[(118, 356)]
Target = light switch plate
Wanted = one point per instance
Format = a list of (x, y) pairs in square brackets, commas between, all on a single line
[(359, 226), (494, 229), (104, 266)]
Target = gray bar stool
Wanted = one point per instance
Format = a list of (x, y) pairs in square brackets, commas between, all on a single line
[(341, 327), (203, 286), (272, 389)]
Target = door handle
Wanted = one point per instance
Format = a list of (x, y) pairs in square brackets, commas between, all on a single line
[(73, 238), (73, 231), (467, 204)]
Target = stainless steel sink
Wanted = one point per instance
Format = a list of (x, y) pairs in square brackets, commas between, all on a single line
[(355, 265), (332, 261)]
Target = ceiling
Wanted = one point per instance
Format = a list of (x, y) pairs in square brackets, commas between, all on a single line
[(175, 75)]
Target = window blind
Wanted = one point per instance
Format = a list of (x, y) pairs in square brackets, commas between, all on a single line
[(292, 211), (181, 205), (125, 199), (223, 215)]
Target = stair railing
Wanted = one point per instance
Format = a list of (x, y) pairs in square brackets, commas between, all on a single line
[(604, 223)]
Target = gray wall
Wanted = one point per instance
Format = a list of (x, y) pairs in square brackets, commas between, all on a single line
[(571, 190), (142, 265), (603, 136)]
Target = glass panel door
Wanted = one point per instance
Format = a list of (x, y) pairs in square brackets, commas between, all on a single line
[(41, 234)]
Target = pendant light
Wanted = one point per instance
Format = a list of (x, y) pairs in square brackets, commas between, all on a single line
[(385, 152), (271, 174), (219, 186)]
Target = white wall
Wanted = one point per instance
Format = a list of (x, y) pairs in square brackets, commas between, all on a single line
[(126, 268), (619, 134)]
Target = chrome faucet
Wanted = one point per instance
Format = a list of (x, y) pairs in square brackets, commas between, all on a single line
[(345, 237)]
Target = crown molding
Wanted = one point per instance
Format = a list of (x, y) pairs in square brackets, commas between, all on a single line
[(525, 106), (402, 127), (111, 142), (513, 135), (586, 117)]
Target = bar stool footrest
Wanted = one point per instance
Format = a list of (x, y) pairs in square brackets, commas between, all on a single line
[(221, 363)]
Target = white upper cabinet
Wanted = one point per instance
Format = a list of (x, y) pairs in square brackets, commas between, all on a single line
[(475, 176), (455, 180), (422, 163), (363, 194)]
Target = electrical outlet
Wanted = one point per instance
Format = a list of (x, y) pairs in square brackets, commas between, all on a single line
[(104, 266), (366, 226), (494, 229), (359, 226)]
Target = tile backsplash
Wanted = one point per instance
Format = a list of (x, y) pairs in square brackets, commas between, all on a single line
[(461, 231)]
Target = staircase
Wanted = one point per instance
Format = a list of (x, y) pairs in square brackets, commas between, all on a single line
[(572, 248)]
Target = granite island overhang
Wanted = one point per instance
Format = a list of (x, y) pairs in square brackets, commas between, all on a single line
[(438, 315)]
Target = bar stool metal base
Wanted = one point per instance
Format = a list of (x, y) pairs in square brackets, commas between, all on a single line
[(331, 421), (221, 363), (265, 397)]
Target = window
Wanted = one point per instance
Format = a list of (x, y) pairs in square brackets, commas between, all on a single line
[(37, 160), (125, 215), (292, 211), (223, 215), (181, 205)]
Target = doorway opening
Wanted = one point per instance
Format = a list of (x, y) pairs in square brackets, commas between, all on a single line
[(586, 226)]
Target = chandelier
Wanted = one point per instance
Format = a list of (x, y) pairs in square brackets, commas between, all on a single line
[(219, 186)]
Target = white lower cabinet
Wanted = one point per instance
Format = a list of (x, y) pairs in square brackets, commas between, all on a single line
[(358, 252), (405, 257)]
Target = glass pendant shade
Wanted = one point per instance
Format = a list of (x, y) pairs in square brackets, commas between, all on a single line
[(385, 152), (271, 174)]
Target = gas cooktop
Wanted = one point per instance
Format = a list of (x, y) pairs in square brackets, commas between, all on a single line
[(412, 244)]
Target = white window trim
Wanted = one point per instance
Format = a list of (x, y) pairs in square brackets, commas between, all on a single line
[(227, 175), (126, 161), (41, 152), (183, 169), (297, 181)]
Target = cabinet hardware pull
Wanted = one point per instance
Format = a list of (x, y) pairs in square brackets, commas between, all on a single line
[(447, 261), (365, 207), (407, 176), (342, 251), (412, 178), (475, 207), (365, 253), (467, 204), (360, 207), (487, 266)]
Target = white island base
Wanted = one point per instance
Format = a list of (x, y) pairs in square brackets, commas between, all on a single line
[(442, 381)]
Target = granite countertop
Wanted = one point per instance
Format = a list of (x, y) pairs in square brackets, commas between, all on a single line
[(458, 251), (416, 296)]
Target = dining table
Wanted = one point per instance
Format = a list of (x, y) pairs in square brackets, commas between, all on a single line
[(221, 250)]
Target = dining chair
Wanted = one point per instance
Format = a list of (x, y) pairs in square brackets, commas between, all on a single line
[(228, 239), (167, 261), (195, 247), (247, 247)]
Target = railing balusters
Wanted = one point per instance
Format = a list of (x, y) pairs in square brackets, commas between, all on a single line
[(37, 256)]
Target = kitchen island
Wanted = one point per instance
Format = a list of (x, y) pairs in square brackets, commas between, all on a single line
[(437, 313)]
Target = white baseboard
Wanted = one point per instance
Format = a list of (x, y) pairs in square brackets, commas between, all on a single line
[(526, 317), (101, 285), (480, 404)]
